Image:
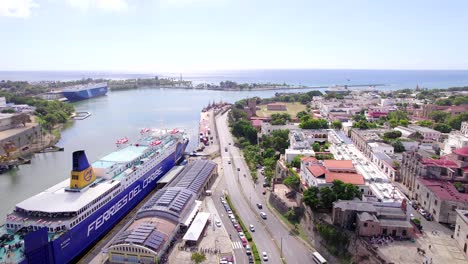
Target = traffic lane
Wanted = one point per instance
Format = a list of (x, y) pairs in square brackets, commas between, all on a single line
[(227, 224), (261, 238), (296, 251)]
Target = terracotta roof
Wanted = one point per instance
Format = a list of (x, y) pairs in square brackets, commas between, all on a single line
[(444, 190), (352, 178), (316, 170), (308, 159), (440, 162), (256, 122), (461, 151), (338, 164)]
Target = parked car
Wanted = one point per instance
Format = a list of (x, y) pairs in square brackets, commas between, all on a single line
[(251, 259), (260, 206), (264, 256), (422, 212), (252, 228), (263, 215), (264, 191), (238, 228), (218, 223), (244, 241), (248, 250), (241, 235)]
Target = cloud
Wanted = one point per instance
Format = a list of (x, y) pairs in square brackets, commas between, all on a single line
[(112, 5), (17, 8)]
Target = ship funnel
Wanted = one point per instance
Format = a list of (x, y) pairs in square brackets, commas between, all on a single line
[(82, 173)]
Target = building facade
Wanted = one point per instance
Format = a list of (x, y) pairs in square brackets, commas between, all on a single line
[(461, 231), (441, 199)]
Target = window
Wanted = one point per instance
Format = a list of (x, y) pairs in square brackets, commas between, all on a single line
[(365, 224), (435, 202), (454, 207), (427, 195)]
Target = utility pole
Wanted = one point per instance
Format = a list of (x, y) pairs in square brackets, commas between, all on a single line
[(281, 247)]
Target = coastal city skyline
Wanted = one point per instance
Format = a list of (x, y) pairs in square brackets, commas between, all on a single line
[(190, 36)]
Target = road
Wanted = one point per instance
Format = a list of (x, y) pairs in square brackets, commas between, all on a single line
[(270, 234)]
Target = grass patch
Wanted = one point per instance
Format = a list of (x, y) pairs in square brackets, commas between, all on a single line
[(292, 109), (295, 227)]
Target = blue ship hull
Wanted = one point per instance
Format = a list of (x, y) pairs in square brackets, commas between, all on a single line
[(73, 243), (85, 94)]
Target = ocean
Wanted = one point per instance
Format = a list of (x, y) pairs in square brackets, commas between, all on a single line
[(391, 79)]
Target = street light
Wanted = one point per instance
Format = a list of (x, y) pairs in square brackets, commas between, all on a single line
[(281, 247)]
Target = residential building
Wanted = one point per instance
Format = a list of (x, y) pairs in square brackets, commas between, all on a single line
[(461, 230), (322, 173), (301, 140), (451, 167), (452, 110), (440, 198), (276, 107), (361, 139), (464, 128), (454, 141), (386, 164), (380, 147), (372, 218), (427, 133), (257, 124)]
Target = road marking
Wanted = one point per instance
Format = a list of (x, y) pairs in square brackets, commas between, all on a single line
[(237, 245)]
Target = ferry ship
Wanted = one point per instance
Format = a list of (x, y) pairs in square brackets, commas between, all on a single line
[(83, 92), (59, 224)]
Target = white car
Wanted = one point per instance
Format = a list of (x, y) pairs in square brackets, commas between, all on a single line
[(252, 228), (241, 235), (218, 223), (264, 256)]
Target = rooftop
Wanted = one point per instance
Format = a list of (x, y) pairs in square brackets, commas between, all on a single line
[(352, 178), (195, 175), (423, 129), (355, 206), (461, 151), (365, 216), (463, 214), (316, 170), (379, 145), (126, 154), (339, 164), (444, 190), (197, 227)]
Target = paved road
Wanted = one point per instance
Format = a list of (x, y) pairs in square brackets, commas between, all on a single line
[(271, 232)]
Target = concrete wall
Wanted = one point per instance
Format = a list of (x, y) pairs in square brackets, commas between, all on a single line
[(461, 233), (372, 228)]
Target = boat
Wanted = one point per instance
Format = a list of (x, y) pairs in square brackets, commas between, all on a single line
[(83, 92), (59, 224)]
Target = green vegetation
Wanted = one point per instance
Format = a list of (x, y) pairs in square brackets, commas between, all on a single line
[(425, 123), (308, 123), (336, 124), (398, 146), (293, 180), (301, 114), (198, 257), (324, 156), (397, 118), (394, 134), (323, 198), (336, 241), (442, 127), (453, 100), (296, 161), (439, 116), (280, 119)]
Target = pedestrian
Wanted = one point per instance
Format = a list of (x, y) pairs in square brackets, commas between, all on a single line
[(429, 247)]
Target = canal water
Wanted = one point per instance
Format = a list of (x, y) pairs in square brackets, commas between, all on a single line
[(119, 114)]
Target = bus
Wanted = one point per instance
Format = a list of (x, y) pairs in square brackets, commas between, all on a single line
[(318, 258)]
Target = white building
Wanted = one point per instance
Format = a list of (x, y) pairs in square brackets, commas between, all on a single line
[(427, 133), (454, 141), (2, 102), (464, 128), (380, 147), (461, 231), (290, 154)]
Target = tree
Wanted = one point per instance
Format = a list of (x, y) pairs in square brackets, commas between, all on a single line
[(398, 146), (314, 124), (22, 118), (291, 215), (425, 123), (442, 128), (316, 146), (359, 117), (301, 114), (198, 257), (311, 198), (439, 116), (337, 124), (296, 161), (445, 102), (292, 181), (392, 134)]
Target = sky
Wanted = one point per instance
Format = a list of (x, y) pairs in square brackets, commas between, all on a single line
[(204, 35)]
